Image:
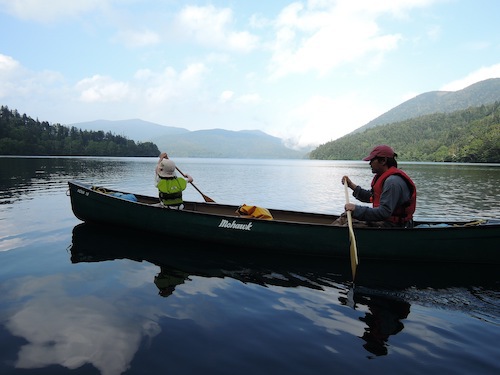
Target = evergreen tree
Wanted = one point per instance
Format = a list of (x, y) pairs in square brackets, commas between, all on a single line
[(22, 135)]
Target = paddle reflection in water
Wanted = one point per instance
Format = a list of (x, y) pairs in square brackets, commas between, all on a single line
[(381, 291)]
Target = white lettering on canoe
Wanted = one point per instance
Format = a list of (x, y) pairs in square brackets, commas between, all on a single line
[(234, 225), (81, 191)]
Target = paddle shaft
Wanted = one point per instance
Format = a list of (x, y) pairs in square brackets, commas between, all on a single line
[(352, 248), (206, 198)]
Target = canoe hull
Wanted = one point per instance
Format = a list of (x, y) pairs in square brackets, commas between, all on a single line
[(219, 224)]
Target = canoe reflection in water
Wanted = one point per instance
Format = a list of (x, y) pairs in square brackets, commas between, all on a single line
[(378, 289)]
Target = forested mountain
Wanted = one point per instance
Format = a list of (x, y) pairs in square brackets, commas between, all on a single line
[(470, 135), (480, 93), (22, 135), (210, 143)]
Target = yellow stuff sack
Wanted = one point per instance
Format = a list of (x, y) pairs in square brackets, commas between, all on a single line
[(254, 211)]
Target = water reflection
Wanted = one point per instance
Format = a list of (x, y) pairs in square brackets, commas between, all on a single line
[(54, 328), (224, 309), (168, 278), (22, 177), (383, 319), (385, 301), (465, 190)]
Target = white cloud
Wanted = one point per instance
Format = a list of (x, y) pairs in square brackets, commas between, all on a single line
[(241, 101), (249, 99), (326, 35), (133, 38), (211, 27), (322, 119), (192, 74), (49, 10), (226, 95), (478, 46), (148, 77), (434, 32), (159, 87), (18, 82), (7, 64), (481, 74), (102, 89)]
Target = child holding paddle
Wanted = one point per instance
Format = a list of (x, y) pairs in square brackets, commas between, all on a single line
[(170, 187)]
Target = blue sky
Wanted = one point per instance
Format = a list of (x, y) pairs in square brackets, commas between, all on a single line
[(305, 71)]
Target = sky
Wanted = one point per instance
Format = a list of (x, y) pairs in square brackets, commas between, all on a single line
[(306, 71)]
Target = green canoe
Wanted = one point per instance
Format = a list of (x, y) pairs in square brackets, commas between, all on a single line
[(289, 232)]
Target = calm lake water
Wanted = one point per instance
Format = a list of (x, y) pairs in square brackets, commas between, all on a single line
[(76, 299)]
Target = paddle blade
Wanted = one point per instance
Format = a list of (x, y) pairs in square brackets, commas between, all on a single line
[(208, 199), (352, 249), (353, 252)]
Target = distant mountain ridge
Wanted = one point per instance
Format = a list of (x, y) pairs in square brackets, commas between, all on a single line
[(216, 143), (256, 144), (475, 95)]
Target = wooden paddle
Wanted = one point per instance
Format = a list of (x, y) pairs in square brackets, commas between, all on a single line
[(207, 199), (352, 249)]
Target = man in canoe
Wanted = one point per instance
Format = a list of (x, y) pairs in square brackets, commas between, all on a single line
[(393, 193), (170, 187)]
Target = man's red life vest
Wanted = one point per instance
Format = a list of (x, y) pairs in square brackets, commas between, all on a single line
[(403, 213)]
